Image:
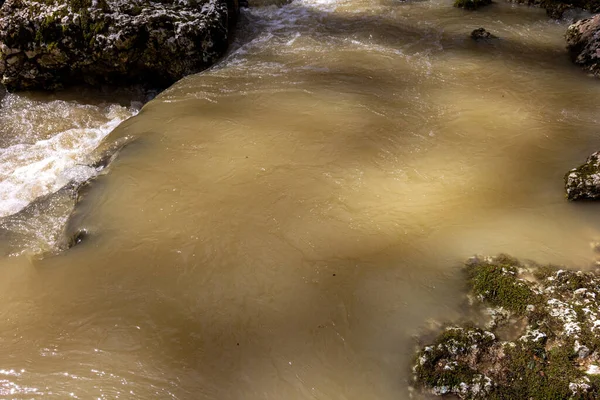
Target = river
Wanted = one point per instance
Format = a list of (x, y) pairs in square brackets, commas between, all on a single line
[(287, 223)]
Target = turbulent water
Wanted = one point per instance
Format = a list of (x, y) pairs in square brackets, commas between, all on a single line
[(285, 224)]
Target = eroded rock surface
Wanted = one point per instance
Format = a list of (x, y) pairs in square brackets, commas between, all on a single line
[(583, 182), (583, 41), (554, 351), (48, 43)]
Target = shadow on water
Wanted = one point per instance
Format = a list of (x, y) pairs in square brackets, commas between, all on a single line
[(200, 307)]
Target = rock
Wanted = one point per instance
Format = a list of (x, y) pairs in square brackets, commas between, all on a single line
[(555, 9), (583, 42), (584, 182), (471, 4), (553, 354), (47, 44), (482, 34), (77, 238)]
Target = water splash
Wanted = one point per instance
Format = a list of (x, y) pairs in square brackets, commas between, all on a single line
[(47, 146)]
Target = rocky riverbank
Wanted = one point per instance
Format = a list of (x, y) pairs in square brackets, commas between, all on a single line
[(51, 43), (541, 339)]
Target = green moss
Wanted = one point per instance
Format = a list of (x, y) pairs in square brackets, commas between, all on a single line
[(471, 4), (50, 30), (440, 365), (534, 373), (496, 282), (436, 377), (79, 5), (544, 271), (529, 370), (542, 363)]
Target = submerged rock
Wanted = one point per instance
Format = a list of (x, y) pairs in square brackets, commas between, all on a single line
[(471, 4), (48, 43), (583, 42), (77, 238), (481, 34), (583, 182), (554, 353)]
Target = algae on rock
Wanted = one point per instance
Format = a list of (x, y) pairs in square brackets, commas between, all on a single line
[(49, 43), (554, 355)]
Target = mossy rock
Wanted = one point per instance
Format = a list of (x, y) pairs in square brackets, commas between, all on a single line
[(583, 43), (583, 182), (45, 44), (497, 283), (554, 356)]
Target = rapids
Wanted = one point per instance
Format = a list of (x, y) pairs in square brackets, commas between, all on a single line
[(284, 224)]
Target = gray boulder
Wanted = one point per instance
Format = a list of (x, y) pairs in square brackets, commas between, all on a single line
[(583, 42), (45, 44), (583, 182)]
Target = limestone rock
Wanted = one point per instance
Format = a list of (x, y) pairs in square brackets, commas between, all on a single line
[(546, 349), (46, 44), (583, 182), (583, 42)]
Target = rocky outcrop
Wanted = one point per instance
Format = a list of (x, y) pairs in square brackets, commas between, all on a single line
[(583, 182), (583, 41), (541, 341), (49, 43)]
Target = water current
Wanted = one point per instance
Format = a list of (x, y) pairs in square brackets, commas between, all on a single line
[(285, 224)]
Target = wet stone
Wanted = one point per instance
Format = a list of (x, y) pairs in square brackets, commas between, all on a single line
[(553, 356), (583, 43), (79, 236), (482, 34), (583, 182), (63, 42)]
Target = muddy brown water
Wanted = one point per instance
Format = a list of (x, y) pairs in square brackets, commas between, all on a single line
[(283, 225)]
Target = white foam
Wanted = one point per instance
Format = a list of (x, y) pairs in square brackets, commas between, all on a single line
[(35, 168)]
